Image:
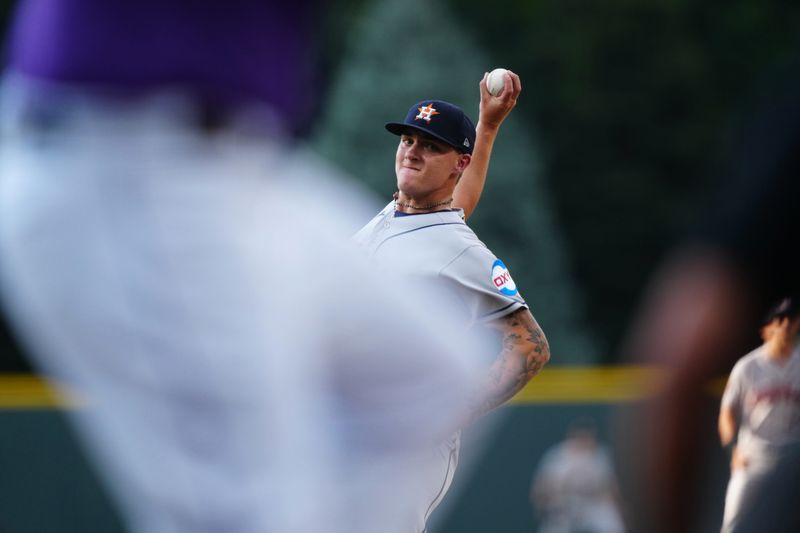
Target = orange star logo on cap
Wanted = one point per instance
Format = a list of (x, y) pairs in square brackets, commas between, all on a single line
[(426, 112)]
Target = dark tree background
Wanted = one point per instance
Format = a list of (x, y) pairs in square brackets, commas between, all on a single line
[(634, 101), (630, 101)]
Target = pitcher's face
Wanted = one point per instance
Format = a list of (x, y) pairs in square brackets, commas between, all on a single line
[(425, 165)]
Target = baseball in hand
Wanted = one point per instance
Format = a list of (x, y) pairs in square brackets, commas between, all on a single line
[(496, 81)]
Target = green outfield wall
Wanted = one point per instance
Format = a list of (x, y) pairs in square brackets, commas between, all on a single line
[(48, 486)]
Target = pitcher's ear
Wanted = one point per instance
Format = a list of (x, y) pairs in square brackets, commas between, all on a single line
[(463, 162)]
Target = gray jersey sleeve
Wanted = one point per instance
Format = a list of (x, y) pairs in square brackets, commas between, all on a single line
[(483, 284), (732, 397)]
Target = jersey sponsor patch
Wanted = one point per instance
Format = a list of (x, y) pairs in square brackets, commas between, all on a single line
[(501, 278)]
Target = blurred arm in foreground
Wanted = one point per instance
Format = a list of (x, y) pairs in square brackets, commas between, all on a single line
[(706, 301)]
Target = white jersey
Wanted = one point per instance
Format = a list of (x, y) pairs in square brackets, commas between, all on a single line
[(440, 250), (765, 395), (440, 253)]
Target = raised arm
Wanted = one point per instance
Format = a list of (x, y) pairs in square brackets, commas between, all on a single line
[(525, 351), (493, 110)]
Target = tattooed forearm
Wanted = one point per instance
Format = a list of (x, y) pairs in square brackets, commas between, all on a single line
[(525, 351)]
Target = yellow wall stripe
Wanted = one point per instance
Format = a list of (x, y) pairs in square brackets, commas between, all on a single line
[(25, 391), (572, 384), (590, 384)]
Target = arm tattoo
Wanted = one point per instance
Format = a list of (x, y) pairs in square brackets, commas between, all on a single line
[(525, 351)]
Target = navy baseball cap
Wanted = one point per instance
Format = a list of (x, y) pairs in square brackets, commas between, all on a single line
[(439, 119), (788, 307)]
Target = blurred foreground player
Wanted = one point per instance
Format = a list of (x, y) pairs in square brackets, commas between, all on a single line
[(167, 250), (423, 237), (760, 420)]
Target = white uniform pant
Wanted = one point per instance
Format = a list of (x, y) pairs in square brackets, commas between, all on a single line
[(243, 369), (436, 473), (763, 496)]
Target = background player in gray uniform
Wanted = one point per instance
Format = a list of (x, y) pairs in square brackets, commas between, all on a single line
[(421, 236), (761, 404)]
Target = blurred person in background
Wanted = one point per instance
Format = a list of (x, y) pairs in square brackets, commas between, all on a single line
[(703, 305), (574, 488), (170, 250), (759, 420)]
